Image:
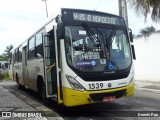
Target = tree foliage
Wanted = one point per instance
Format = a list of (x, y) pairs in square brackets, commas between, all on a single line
[(5, 56), (2, 58), (147, 31), (145, 7)]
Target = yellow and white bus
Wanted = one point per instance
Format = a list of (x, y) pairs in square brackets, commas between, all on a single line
[(79, 57)]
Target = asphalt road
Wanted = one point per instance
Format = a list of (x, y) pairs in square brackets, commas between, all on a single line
[(143, 105)]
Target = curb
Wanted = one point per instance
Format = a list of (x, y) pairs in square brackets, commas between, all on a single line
[(148, 81), (149, 90), (35, 105)]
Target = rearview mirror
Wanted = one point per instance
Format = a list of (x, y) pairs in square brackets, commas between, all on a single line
[(60, 30), (130, 35)]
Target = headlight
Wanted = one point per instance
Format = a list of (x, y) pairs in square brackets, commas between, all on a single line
[(131, 80), (74, 84)]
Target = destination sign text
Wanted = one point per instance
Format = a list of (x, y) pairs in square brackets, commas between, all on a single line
[(94, 18)]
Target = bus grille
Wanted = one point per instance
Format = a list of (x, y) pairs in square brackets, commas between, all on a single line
[(100, 96), (97, 77)]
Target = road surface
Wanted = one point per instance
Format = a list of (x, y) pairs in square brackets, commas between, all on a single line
[(145, 104)]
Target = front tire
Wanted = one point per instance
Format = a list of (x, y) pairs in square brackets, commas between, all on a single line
[(44, 98), (18, 85)]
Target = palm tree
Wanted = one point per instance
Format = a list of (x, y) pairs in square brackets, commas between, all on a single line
[(145, 7), (147, 31)]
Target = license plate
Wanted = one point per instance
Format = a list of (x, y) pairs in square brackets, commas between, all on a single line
[(109, 99)]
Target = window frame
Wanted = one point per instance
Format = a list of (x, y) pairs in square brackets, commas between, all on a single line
[(31, 49), (39, 46)]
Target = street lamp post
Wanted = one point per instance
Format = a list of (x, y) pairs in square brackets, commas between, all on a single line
[(123, 10), (46, 6)]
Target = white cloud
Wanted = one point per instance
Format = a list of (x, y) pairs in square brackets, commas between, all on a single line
[(21, 18), (104, 5)]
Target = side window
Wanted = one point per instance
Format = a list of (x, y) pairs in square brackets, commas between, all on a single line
[(39, 45), (49, 49), (20, 54), (31, 48), (13, 57), (16, 55), (0, 66)]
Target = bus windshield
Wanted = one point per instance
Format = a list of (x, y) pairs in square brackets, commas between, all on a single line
[(94, 49)]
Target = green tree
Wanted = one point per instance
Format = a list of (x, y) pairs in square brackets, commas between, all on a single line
[(5, 56), (147, 31), (146, 7), (2, 58)]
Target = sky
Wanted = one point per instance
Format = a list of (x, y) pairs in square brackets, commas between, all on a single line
[(19, 19)]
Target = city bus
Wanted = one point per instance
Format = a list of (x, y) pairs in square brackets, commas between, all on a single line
[(4, 69), (3, 65), (79, 57)]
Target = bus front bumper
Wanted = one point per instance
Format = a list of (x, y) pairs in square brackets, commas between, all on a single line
[(72, 97)]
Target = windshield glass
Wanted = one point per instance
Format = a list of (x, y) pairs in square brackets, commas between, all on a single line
[(91, 49)]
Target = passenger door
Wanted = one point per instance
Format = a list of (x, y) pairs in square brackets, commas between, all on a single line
[(24, 65), (50, 65)]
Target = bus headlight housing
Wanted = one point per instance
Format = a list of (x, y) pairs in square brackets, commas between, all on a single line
[(74, 84), (131, 80)]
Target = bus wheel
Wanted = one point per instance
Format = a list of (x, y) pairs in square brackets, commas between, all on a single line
[(18, 85), (44, 98)]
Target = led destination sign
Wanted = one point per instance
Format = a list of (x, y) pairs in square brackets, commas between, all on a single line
[(91, 16), (94, 18)]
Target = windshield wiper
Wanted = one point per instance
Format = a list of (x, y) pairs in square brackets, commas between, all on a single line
[(109, 39), (91, 35)]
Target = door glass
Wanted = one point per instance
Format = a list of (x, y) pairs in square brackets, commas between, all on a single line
[(50, 60), (49, 82), (49, 51)]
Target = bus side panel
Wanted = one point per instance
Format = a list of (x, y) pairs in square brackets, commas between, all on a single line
[(32, 74), (18, 73), (24, 66), (35, 68)]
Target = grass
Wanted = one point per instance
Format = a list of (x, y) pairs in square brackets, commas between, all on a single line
[(5, 76)]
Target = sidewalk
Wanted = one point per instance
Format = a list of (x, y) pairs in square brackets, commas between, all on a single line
[(147, 85), (22, 105), (10, 104)]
